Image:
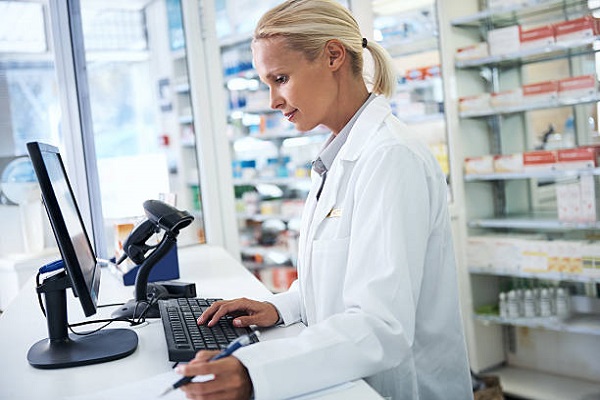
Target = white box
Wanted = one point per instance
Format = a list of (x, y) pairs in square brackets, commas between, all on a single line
[(541, 92), (479, 165), (577, 87), (507, 98), (472, 52), (568, 201), (534, 256), (480, 102), (590, 259), (504, 40), (508, 162), (589, 207)]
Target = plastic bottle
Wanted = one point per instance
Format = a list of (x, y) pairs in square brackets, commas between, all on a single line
[(503, 305), (568, 136), (513, 304), (545, 303), (528, 304), (562, 303)]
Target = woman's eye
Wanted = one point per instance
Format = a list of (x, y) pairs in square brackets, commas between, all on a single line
[(281, 79)]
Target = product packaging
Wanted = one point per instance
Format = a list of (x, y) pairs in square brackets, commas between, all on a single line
[(504, 40), (537, 38)]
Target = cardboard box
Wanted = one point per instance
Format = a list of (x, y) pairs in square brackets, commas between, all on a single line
[(578, 158), (504, 40), (568, 201), (576, 29), (577, 87), (540, 160), (578, 199), (480, 102), (537, 38), (507, 98), (479, 165), (541, 92), (508, 162), (589, 198), (473, 52), (590, 259)]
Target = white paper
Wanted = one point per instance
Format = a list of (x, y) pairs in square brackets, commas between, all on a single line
[(146, 389)]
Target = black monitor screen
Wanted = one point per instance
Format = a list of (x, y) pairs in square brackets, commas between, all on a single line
[(65, 218)]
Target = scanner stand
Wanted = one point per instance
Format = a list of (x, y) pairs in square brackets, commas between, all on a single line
[(144, 305)]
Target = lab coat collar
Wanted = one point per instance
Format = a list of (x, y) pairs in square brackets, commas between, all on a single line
[(364, 128)]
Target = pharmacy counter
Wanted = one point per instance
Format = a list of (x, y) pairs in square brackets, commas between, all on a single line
[(215, 273)]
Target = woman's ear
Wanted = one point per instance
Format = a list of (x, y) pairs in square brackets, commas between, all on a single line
[(336, 53)]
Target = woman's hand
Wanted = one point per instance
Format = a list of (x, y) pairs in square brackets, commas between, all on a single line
[(231, 382), (246, 312)]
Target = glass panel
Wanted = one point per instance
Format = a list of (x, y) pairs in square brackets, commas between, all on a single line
[(29, 110), (141, 114), (409, 31)]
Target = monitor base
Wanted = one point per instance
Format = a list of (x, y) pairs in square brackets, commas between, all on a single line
[(102, 346)]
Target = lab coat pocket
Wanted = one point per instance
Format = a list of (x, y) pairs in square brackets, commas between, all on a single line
[(329, 259)]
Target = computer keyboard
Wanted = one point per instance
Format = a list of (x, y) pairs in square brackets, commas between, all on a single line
[(184, 336)]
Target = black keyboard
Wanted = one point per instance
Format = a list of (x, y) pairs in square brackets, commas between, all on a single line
[(184, 336)]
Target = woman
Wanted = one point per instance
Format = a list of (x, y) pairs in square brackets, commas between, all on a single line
[(376, 280)]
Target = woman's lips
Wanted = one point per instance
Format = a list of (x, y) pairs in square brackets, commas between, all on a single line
[(290, 115)]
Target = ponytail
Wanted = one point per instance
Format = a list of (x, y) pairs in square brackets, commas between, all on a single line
[(384, 77)]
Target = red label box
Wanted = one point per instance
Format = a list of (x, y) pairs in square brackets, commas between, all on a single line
[(537, 37), (541, 91), (542, 159), (580, 28)]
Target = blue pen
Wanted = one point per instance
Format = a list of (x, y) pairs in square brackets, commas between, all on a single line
[(233, 346)]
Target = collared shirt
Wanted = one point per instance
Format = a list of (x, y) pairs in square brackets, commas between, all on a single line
[(333, 145)]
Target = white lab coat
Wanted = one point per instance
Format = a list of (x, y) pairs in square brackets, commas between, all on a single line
[(376, 284)]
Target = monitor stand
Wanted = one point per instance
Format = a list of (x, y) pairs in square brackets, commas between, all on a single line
[(61, 350)]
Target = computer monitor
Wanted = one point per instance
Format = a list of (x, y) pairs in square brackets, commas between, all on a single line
[(81, 272)]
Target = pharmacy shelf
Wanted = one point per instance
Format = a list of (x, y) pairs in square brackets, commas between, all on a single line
[(550, 174), (506, 14), (533, 221), (409, 86), (536, 385), (547, 276), (288, 135), (529, 107), (264, 217), (410, 46), (588, 324), (549, 52), (421, 118), (272, 181)]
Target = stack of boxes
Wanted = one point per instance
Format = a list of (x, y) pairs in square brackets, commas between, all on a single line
[(534, 254), (517, 40), (577, 197)]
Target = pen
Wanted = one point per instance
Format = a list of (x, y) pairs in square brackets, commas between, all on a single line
[(233, 346)]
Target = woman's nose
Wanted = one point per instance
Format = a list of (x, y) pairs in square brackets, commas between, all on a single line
[(276, 100)]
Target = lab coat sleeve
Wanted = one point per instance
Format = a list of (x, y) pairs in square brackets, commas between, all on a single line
[(381, 286), (288, 304)]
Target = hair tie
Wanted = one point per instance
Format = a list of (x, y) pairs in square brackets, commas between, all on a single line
[(364, 43)]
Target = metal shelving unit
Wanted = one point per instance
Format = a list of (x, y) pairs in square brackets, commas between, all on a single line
[(502, 204)]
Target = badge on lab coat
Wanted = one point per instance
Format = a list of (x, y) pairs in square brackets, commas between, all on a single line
[(335, 213)]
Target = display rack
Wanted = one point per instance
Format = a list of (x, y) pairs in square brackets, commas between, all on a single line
[(505, 204)]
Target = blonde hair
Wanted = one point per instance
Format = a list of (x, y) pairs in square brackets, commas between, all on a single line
[(307, 25)]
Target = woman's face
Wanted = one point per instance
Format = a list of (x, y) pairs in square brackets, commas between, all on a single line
[(303, 91)]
